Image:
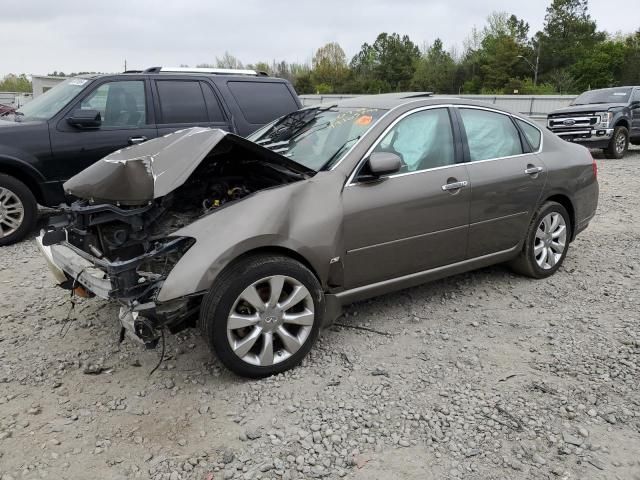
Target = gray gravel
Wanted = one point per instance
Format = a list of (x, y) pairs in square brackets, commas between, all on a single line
[(485, 375)]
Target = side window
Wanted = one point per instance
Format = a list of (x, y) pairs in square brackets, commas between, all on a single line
[(213, 105), (121, 104), (636, 95), (490, 134), (532, 133), (181, 101), (261, 102), (422, 140)]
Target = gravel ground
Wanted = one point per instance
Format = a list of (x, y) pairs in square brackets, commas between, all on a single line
[(485, 375)]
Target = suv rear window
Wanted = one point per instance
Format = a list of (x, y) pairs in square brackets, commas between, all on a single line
[(181, 101), (261, 102)]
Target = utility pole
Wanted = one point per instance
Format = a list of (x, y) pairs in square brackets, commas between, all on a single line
[(125, 64), (535, 75)]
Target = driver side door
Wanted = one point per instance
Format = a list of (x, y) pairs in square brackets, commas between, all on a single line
[(126, 120), (413, 220)]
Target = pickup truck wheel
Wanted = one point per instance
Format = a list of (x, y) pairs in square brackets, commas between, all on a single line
[(262, 315), (618, 144), (18, 210)]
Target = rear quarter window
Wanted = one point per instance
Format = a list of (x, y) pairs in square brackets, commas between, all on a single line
[(533, 135), (261, 102)]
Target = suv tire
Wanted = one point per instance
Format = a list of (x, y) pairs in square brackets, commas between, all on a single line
[(18, 210), (279, 336), (547, 242), (619, 143)]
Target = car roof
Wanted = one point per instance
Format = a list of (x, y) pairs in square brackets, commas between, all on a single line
[(388, 101)]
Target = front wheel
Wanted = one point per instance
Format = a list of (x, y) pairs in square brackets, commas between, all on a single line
[(618, 144), (547, 242), (262, 315)]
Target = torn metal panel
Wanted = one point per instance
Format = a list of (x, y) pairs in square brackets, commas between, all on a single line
[(150, 170)]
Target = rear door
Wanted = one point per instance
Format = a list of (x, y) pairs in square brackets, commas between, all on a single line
[(506, 176), (414, 220), (257, 102), (126, 119), (184, 103)]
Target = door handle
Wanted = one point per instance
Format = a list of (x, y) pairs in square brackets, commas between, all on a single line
[(136, 140), (533, 170), (454, 185)]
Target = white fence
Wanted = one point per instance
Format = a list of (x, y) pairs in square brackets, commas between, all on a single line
[(531, 105)]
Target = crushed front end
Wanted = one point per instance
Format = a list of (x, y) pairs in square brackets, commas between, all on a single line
[(120, 238)]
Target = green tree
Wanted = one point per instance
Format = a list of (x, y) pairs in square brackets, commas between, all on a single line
[(435, 71), (228, 61), (15, 83), (601, 66), (330, 67), (569, 34), (630, 71), (388, 64)]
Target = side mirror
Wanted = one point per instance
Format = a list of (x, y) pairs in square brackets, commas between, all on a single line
[(85, 119), (635, 104), (384, 163)]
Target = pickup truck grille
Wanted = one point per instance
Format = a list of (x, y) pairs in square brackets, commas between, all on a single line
[(569, 123)]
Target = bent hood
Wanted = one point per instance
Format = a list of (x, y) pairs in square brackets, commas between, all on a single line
[(141, 173)]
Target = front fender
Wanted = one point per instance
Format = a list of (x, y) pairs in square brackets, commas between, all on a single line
[(304, 217)]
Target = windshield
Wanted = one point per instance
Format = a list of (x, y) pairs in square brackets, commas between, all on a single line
[(606, 95), (317, 137), (51, 102)]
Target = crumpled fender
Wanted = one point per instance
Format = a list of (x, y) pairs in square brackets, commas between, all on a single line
[(277, 217)]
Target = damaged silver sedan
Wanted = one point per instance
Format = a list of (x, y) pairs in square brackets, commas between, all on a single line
[(260, 242)]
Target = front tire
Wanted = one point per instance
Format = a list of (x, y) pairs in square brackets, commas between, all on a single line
[(547, 242), (619, 143), (18, 210), (262, 315)]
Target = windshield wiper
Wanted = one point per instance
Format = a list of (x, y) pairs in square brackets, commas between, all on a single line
[(292, 123)]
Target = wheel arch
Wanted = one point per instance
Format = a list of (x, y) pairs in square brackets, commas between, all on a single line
[(22, 172), (566, 202), (623, 122)]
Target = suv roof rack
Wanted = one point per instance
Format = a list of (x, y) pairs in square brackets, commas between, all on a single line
[(214, 71)]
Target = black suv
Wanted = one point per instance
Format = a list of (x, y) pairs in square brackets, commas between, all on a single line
[(85, 118), (608, 118)]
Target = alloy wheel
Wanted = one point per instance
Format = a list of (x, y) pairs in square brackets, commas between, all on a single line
[(11, 212), (270, 320), (550, 241), (621, 142)]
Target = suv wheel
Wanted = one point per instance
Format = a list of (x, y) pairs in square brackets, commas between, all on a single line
[(547, 242), (262, 315), (618, 144), (18, 210)]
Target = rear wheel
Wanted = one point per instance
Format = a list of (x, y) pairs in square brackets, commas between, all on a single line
[(262, 315), (18, 210), (547, 242), (618, 144)]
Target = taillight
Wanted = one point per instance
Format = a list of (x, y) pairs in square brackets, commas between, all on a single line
[(595, 167)]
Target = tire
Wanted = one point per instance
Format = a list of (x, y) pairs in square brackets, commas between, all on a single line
[(256, 275), (619, 143), (529, 262), (18, 210)]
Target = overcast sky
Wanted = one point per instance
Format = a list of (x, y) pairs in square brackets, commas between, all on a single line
[(40, 36)]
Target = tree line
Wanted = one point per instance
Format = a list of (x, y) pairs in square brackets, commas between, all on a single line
[(569, 55)]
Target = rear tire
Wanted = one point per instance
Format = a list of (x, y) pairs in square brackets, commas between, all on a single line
[(281, 328), (546, 244), (619, 143), (18, 210)]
